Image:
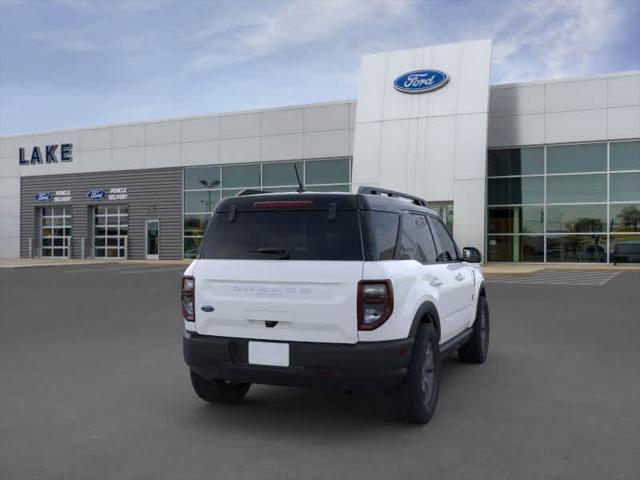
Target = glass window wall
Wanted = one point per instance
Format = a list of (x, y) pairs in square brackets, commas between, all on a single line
[(576, 188), (625, 187), (624, 217), (624, 249), (625, 155), (583, 201), (241, 176), (576, 218), (327, 172), (281, 174), (201, 177), (516, 161), (205, 186), (577, 248), (588, 157), (516, 191), (516, 248), (516, 219)]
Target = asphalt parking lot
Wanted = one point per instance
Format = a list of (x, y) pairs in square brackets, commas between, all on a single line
[(92, 386)]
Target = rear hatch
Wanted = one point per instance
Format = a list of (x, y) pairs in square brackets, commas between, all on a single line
[(281, 267)]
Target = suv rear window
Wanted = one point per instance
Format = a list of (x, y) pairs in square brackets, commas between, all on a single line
[(284, 235)]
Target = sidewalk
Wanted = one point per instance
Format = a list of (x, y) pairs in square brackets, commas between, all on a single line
[(49, 262), (526, 269), (491, 268)]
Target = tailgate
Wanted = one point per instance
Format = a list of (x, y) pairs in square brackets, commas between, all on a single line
[(304, 301)]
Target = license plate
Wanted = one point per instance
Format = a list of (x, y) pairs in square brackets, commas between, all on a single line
[(268, 353)]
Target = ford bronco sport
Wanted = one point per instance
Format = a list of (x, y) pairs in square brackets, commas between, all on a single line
[(341, 289)]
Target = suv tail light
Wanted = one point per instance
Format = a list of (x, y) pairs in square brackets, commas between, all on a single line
[(375, 303), (187, 298)]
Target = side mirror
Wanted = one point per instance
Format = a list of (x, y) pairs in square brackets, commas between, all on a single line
[(471, 255)]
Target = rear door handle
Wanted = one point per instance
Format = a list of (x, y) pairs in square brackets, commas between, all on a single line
[(435, 282), (207, 308)]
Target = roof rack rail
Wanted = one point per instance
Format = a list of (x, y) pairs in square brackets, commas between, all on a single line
[(392, 193), (250, 191)]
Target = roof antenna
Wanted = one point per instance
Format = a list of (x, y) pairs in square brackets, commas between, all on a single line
[(300, 185)]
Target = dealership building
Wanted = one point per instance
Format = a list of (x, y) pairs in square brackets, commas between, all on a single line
[(544, 171)]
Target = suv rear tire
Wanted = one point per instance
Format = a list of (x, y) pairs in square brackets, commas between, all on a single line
[(218, 391), (415, 400), (476, 349)]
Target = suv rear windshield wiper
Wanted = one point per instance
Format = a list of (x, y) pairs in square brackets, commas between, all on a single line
[(282, 252)]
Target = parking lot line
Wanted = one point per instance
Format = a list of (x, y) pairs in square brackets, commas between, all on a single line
[(579, 278)]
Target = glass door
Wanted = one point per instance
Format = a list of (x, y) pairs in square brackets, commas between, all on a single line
[(445, 210), (110, 231), (55, 233), (152, 239)]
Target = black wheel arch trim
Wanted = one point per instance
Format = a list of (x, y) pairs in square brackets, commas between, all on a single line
[(427, 309)]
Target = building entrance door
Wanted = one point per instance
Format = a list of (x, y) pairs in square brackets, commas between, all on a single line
[(110, 231), (152, 241), (55, 232), (445, 210)]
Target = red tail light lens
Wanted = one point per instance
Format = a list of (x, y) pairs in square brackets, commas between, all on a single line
[(375, 303), (187, 298)]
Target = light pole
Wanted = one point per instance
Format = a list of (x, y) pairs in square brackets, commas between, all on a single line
[(209, 186)]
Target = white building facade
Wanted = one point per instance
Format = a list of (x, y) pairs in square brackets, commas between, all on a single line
[(543, 171)]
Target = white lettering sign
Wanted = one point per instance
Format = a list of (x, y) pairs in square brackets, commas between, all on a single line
[(118, 193)]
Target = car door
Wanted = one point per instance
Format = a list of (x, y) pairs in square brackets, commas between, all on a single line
[(416, 242), (457, 278)]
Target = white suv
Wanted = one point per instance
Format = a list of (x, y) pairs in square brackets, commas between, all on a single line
[(349, 290)]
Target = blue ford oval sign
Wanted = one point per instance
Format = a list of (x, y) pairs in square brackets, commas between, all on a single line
[(44, 196), (97, 195), (420, 81)]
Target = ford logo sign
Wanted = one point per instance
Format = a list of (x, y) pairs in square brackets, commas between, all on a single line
[(97, 195), (44, 196), (420, 81)]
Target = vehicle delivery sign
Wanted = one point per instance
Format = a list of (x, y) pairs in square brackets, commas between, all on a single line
[(118, 193)]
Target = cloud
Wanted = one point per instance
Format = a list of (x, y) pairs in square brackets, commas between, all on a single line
[(288, 25), (549, 39), (132, 59)]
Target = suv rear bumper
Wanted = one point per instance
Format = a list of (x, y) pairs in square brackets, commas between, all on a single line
[(371, 365)]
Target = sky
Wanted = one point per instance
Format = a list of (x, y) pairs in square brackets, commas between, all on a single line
[(79, 63)]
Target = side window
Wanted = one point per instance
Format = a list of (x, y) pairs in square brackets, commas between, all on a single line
[(380, 230), (414, 239), (447, 250)]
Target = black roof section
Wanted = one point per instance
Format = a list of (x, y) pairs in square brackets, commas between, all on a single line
[(367, 198)]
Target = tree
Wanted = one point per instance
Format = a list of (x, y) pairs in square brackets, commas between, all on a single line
[(585, 224), (628, 220)]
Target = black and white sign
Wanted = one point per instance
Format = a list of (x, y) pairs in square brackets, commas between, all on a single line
[(57, 196)]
